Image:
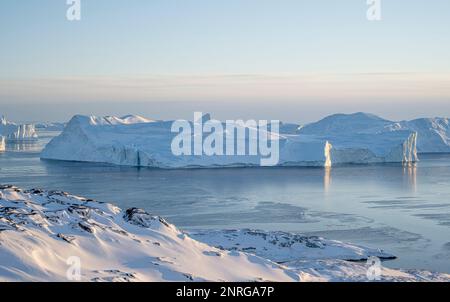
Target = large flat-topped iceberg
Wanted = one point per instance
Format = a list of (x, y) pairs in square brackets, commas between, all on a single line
[(136, 141), (17, 132)]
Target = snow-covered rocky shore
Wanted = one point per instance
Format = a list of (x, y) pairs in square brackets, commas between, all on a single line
[(40, 231), (134, 141)]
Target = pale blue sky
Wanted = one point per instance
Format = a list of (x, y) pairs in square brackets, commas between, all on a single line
[(312, 56)]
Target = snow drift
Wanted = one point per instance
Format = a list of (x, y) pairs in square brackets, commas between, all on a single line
[(136, 141), (17, 132), (41, 230)]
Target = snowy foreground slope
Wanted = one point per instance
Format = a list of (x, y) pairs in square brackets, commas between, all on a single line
[(17, 132), (134, 141), (40, 231)]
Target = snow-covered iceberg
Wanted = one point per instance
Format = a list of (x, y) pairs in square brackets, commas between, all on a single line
[(433, 133), (113, 120), (17, 132), (364, 138), (50, 126), (140, 142), (137, 143), (42, 233), (2, 144)]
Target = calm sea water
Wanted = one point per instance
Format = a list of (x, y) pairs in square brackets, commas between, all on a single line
[(404, 210)]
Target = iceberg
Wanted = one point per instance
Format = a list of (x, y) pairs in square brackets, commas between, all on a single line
[(42, 233), (364, 138), (136, 141), (128, 119), (2, 144), (433, 133), (50, 126), (17, 132), (346, 124)]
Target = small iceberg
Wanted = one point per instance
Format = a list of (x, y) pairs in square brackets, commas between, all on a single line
[(17, 132)]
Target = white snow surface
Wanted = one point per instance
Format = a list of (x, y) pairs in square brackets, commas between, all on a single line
[(41, 230), (124, 120), (364, 138), (285, 247), (50, 126), (433, 134), (2, 144), (135, 141), (17, 132)]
